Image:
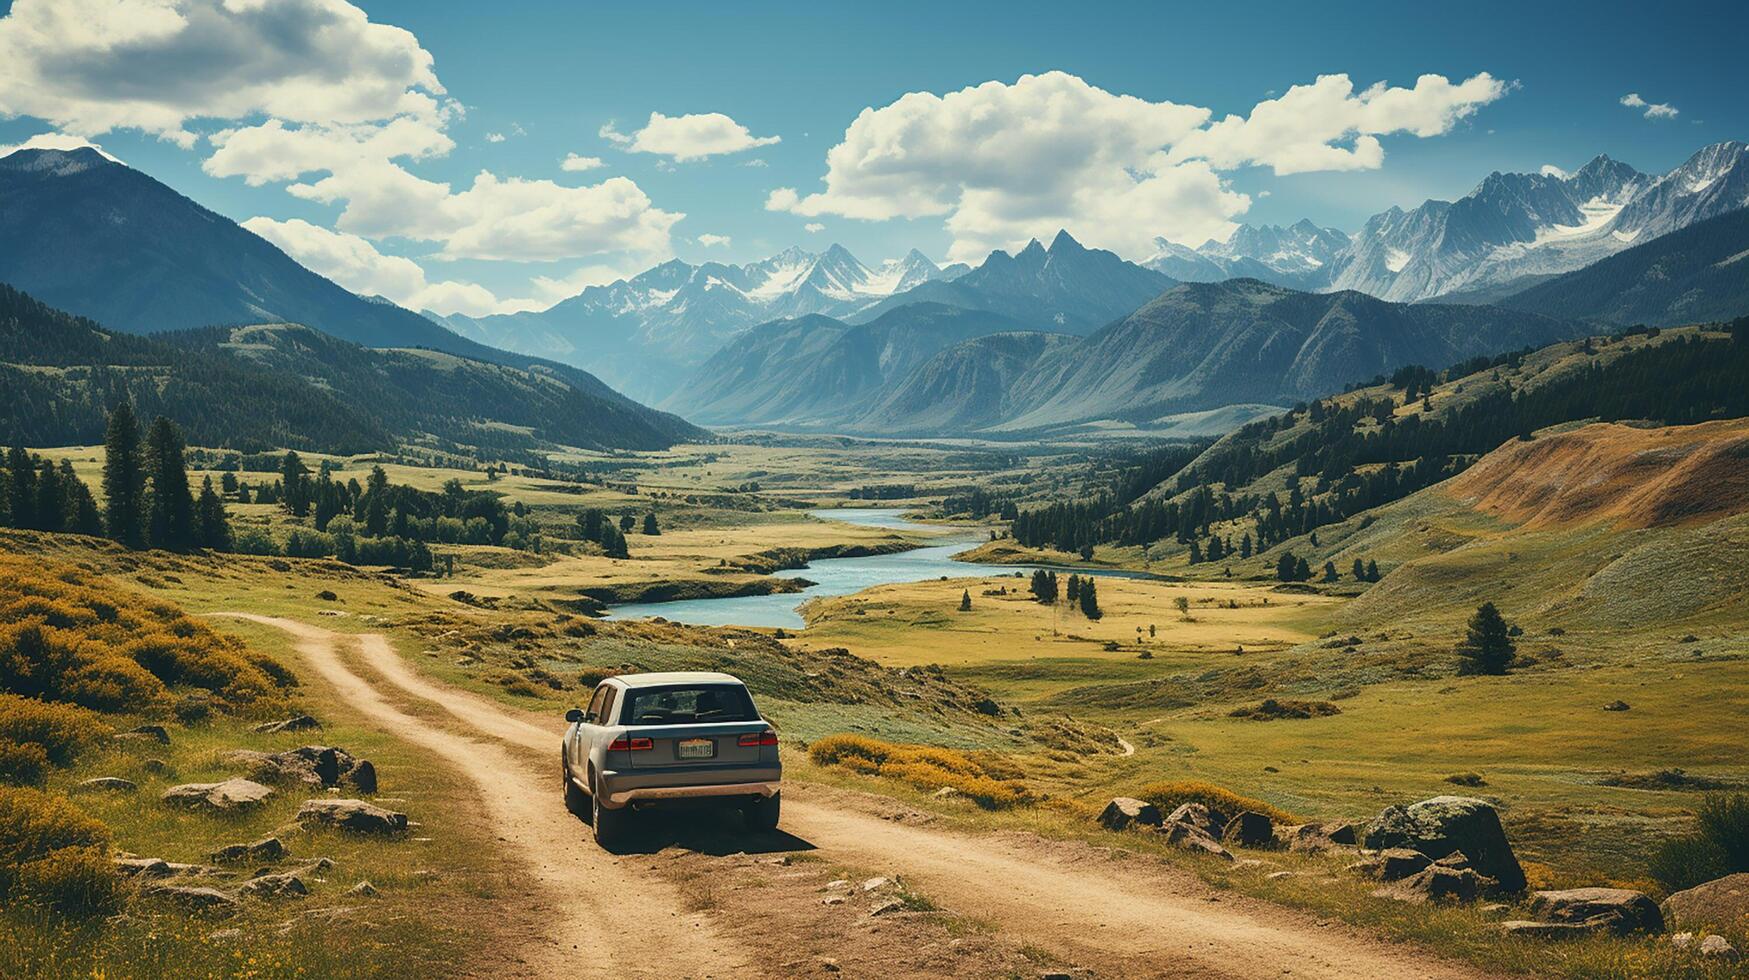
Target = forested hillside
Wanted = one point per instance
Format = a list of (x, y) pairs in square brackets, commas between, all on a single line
[(284, 385)]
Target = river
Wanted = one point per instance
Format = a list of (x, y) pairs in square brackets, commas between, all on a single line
[(838, 576)]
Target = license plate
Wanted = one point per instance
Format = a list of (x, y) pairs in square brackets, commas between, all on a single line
[(696, 748)]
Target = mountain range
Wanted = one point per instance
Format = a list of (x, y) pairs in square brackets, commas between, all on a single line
[(1195, 347), (646, 333), (88, 235)]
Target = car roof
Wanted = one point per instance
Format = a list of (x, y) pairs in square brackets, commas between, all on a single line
[(666, 678)]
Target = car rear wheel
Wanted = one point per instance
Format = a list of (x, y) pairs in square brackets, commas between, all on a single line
[(574, 800), (761, 814), (609, 824)]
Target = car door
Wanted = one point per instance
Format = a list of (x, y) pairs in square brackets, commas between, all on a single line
[(583, 734)]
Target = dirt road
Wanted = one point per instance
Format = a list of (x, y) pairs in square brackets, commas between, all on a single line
[(581, 887), (1130, 917)]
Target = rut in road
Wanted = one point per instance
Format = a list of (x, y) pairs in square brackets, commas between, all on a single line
[(581, 889), (1137, 920)]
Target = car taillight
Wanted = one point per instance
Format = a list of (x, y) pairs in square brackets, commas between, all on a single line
[(753, 740), (623, 744)]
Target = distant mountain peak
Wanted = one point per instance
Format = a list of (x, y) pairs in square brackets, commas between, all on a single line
[(1064, 242), (59, 163)]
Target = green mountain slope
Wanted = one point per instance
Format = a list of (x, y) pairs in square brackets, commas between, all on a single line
[(273, 385)]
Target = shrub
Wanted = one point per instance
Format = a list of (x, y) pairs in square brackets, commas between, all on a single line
[(73, 881), (22, 764), (1169, 796), (1272, 709), (60, 729), (34, 825), (591, 676), (990, 783), (255, 541), (305, 543), (1719, 847)]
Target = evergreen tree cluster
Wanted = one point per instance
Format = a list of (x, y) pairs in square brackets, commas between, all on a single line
[(38, 495), (594, 525)]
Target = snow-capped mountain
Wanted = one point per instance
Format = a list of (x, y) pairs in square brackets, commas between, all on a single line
[(1292, 256), (643, 332), (1514, 228)]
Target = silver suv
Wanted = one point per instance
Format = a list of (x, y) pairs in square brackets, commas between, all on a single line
[(647, 738)]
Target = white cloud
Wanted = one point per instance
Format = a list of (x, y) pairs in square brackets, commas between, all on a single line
[(574, 163), (273, 151), (1002, 163), (713, 241), (813, 227), (56, 141), (1654, 110), (1550, 170), (495, 137), (509, 219), (93, 66), (689, 137), (357, 265), (549, 290)]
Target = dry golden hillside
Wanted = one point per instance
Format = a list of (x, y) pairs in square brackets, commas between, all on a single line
[(1630, 477)]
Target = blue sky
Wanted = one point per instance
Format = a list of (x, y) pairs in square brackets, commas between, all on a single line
[(548, 76)]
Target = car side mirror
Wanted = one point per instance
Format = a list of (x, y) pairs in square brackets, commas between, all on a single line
[(574, 716)]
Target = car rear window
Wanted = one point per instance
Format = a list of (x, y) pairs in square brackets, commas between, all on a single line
[(687, 705)]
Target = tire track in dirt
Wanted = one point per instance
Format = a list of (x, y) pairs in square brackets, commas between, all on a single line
[(582, 891), (1126, 916)]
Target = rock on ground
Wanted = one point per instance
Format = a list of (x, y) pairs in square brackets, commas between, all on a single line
[(354, 815), (230, 795), (106, 784), (315, 765), (1189, 837), (1314, 838), (1392, 864), (1722, 903), (1444, 824), (1201, 817), (1250, 829), (203, 901), (1436, 883), (1621, 910), (266, 849), (1549, 930), (1714, 946), (275, 886), (1124, 811), (296, 723)]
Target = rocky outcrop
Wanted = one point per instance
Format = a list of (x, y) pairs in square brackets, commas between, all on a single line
[(266, 849), (275, 886), (1124, 812), (1392, 864), (229, 796), (315, 765), (1199, 816), (1619, 910), (1438, 883), (1446, 824), (352, 815), (1722, 903), (1189, 837), (1315, 838), (196, 899), (1250, 829), (296, 723)]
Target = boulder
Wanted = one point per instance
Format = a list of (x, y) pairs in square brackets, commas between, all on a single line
[(106, 784), (1250, 829), (1616, 706), (275, 886), (1392, 864), (314, 765), (230, 795), (1201, 817), (1444, 824), (199, 900), (1722, 903), (146, 733), (365, 889), (296, 723), (354, 815), (266, 849), (1314, 838), (138, 867), (1188, 837), (1123, 812), (363, 777), (1549, 930), (1436, 884), (1718, 946), (1621, 910)]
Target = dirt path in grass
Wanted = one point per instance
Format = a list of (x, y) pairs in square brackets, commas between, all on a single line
[(581, 892), (1099, 909)]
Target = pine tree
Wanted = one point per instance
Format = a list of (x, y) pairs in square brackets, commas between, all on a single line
[(170, 507), (1074, 593), (650, 526), (627, 522), (212, 530), (1245, 546), (1372, 571), (613, 543), (21, 493), (124, 478), (1487, 647), (295, 484), (1302, 570), (51, 499), (1359, 570), (1329, 571), (1285, 566), (966, 600), (83, 517), (1090, 600)]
